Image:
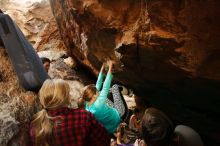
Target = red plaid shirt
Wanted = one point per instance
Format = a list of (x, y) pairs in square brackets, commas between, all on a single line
[(78, 128)]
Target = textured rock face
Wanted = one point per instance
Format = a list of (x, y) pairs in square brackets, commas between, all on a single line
[(35, 19), (167, 51)]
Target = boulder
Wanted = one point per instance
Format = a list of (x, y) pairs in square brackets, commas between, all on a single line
[(167, 51), (35, 19)]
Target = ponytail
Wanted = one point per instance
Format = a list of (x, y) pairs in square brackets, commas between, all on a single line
[(54, 94), (42, 125)]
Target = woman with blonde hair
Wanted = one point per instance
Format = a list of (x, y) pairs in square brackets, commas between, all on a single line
[(57, 125)]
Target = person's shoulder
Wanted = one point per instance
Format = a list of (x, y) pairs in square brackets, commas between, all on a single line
[(188, 135), (79, 110), (81, 113), (186, 131), (184, 128)]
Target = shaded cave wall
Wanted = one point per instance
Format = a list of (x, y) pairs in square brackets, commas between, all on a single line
[(167, 51)]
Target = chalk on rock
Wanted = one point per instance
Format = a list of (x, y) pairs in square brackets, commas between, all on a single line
[(70, 62)]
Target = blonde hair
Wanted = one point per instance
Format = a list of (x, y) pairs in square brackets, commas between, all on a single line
[(53, 94), (88, 92)]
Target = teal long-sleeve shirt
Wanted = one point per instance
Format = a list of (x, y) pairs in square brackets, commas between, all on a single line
[(106, 115)]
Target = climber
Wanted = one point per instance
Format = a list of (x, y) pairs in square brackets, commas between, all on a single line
[(109, 116), (56, 124), (115, 94), (46, 63), (158, 130)]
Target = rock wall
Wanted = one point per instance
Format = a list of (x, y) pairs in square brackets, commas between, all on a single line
[(167, 51), (35, 19)]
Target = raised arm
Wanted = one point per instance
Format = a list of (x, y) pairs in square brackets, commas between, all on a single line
[(110, 64), (107, 82), (100, 78)]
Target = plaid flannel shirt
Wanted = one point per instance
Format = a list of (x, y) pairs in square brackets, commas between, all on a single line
[(78, 128)]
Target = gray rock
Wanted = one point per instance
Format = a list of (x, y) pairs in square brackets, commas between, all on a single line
[(52, 54), (8, 123)]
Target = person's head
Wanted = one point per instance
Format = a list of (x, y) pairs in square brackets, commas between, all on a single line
[(157, 129), (46, 63), (53, 94), (121, 133), (89, 92)]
